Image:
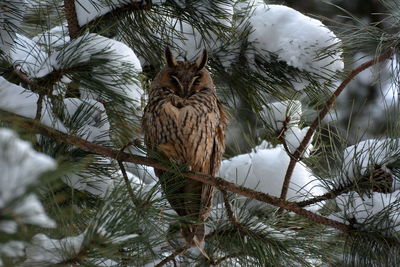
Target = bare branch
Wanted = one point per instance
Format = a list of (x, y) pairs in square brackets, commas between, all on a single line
[(72, 18), (231, 216), (39, 107), (218, 182), (328, 104)]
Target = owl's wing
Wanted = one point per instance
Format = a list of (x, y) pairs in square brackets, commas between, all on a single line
[(218, 149)]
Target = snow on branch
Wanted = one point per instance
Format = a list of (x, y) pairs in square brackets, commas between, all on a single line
[(294, 38), (264, 169), (21, 166), (89, 10), (19, 100)]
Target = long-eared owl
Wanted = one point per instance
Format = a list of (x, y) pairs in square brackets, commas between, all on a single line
[(185, 122)]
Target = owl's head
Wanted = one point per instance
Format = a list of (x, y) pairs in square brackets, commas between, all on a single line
[(186, 78)]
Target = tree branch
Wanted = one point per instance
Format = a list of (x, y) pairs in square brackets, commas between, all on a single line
[(330, 195), (219, 183), (322, 114), (39, 107), (173, 255), (72, 18), (231, 216)]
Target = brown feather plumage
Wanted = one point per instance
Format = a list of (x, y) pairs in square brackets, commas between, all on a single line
[(185, 122)]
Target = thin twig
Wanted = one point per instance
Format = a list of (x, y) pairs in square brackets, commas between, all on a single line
[(330, 195), (173, 255), (322, 114), (231, 216), (281, 136), (218, 182), (72, 18), (128, 184), (38, 86), (39, 107)]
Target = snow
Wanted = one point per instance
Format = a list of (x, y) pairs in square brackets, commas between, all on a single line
[(13, 248), (276, 113), (100, 185), (94, 126), (14, 98), (361, 157), (46, 250), (89, 10), (191, 42), (294, 136), (120, 58), (284, 118), (295, 38), (8, 226), (264, 170), (11, 17), (20, 166), (26, 55), (31, 211), (364, 208), (53, 39)]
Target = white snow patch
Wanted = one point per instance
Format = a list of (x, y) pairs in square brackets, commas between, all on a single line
[(361, 158), (16, 99), (13, 248), (264, 170), (96, 125), (54, 38), (8, 226), (280, 114), (284, 118), (31, 211), (363, 208), (20, 166), (26, 55), (46, 250), (11, 15), (295, 38)]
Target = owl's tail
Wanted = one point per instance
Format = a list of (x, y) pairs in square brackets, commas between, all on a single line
[(194, 235)]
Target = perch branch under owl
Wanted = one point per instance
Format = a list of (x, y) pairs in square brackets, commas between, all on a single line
[(32, 125)]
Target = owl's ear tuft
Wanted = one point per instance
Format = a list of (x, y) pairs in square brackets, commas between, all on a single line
[(171, 61), (202, 60)]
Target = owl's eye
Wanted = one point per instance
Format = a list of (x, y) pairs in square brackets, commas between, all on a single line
[(177, 82), (196, 80), (175, 79)]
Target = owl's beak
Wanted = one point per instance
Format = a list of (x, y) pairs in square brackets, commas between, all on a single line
[(185, 92)]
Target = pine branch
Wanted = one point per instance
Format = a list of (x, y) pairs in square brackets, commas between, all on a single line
[(330, 195), (231, 216), (128, 184), (72, 18), (307, 138), (39, 107), (218, 182), (44, 84), (381, 182), (173, 255), (34, 86)]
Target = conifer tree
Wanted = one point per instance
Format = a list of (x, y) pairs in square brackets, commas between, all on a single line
[(296, 188)]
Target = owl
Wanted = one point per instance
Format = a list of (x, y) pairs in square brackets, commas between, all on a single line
[(185, 122)]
